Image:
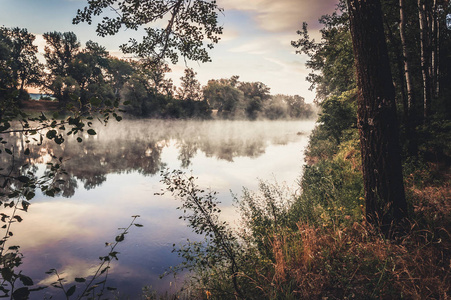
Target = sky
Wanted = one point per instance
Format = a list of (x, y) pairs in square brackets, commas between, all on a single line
[(255, 45)]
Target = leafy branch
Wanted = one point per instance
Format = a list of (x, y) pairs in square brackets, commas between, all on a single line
[(94, 282), (200, 209)]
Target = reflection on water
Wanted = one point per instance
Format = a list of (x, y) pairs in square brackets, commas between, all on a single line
[(110, 177)]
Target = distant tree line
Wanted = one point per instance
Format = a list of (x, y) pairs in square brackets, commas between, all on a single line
[(82, 76)]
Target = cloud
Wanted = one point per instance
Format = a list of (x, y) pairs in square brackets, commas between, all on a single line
[(229, 35), (282, 15), (258, 47)]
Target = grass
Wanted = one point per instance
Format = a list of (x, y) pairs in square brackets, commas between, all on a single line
[(319, 246)]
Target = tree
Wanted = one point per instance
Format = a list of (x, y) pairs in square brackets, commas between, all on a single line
[(223, 96), (119, 72), (424, 13), (88, 68), (406, 57), (189, 24), (7, 83), (19, 60), (331, 59), (60, 50), (190, 86), (377, 121), (297, 108)]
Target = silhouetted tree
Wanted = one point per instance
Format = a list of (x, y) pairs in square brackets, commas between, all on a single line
[(190, 86), (20, 65)]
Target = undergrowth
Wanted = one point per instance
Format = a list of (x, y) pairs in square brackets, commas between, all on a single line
[(318, 245)]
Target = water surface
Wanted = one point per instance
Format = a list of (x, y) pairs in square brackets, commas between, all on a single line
[(115, 174)]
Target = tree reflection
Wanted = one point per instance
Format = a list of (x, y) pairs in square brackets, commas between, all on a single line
[(137, 146)]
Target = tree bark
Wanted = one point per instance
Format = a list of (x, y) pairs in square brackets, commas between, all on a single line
[(410, 108), (400, 73), (435, 25), (405, 52), (378, 126), (426, 63)]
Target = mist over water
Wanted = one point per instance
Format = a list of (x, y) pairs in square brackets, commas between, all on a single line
[(115, 174)]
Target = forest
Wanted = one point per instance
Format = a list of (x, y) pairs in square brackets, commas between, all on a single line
[(77, 76), (373, 219)]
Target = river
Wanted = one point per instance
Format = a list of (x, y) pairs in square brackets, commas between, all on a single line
[(116, 173)]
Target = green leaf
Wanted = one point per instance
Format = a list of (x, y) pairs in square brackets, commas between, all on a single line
[(120, 238), (7, 274), (91, 132), (27, 151), (79, 279), (139, 225), (21, 294), (71, 291), (59, 139), (50, 193), (27, 281), (51, 134), (8, 151), (25, 205), (30, 195), (79, 139), (95, 101), (23, 179)]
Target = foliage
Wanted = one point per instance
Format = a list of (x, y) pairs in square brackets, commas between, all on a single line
[(223, 96), (20, 183), (19, 66), (190, 87), (338, 114), (336, 125), (284, 251), (332, 189), (233, 99), (94, 286), (331, 60), (79, 75), (190, 23)]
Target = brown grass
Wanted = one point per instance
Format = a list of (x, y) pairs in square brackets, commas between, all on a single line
[(357, 262), (41, 105)]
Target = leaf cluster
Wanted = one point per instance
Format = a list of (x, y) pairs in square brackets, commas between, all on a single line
[(189, 23)]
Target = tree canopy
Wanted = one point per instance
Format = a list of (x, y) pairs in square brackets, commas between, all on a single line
[(189, 24)]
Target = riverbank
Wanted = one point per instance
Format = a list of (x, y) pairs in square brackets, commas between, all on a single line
[(40, 106), (319, 245)]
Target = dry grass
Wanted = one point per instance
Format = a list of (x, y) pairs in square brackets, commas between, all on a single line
[(356, 262)]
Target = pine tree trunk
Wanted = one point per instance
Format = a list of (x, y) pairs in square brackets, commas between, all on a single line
[(410, 114), (435, 50), (377, 121), (426, 65), (407, 73), (399, 71)]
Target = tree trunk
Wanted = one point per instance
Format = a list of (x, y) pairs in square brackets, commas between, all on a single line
[(407, 73), (377, 121), (410, 113), (399, 71), (435, 25), (426, 65)]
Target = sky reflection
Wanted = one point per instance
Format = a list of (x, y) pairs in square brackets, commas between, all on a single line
[(115, 175)]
